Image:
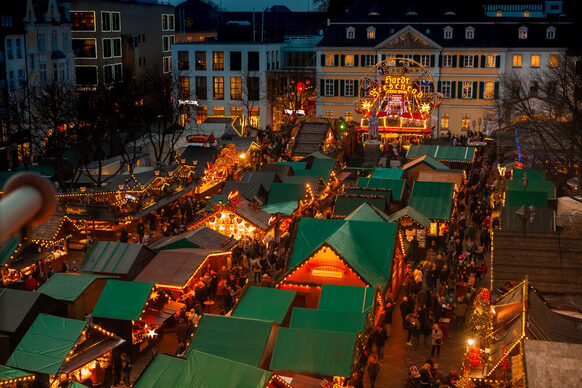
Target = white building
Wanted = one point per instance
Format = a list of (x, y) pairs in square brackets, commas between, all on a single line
[(225, 79)]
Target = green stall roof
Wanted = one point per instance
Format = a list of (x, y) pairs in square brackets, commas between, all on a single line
[(539, 185), (286, 192), (312, 173), (46, 344), (387, 173), (446, 153), (269, 304), (201, 370), (7, 373), (433, 199), (348, 299), (537, 199), (286, 208), (113, 257), (532, 174), (412, 213), (296, 166), (68, 286), (312, 181), (348, 203), (367, 212), (7, 249), (122, 300), (325, 165), (316, 352), (394, 185), (429, 160), (355, 241), (344, 322), (386, 193), (234, 338)]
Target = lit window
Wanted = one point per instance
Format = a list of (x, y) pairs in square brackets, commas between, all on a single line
[(467, 89), (218, 111), (236, 111), (349, 115), (329, 89), (526, 13), (217, 60), (391, 60), (466, 121), (553, 61), (218, 90), (522, 33), (490, 62), (516, 60), (329, 114), (349, 60), (445, 121), (235, 88), (499, 13), (448, 33), (446, 89), (349, 88), (468, 61), (488, 92), (184, 87), (535, 61), (330, 60), (469, 33), (447, 60), (371, 33), (350, 33), (550, 33)]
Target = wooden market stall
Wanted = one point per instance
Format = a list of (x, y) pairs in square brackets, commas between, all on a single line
[(413, 225), (133, 310), (397, 188), (270, 304), (424, 163), (435, 201), (176, 270), (123, 260), (201, 237), (58, 349), (79, 291)]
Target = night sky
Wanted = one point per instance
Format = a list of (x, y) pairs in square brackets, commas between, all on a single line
[(259, 5)]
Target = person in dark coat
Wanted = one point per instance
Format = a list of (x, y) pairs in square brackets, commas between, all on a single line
[(380, 338), (124, 236)]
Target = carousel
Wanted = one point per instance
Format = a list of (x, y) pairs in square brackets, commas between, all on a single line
[(397, 98)]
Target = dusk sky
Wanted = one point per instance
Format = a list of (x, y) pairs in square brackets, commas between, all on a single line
[(258, 5)]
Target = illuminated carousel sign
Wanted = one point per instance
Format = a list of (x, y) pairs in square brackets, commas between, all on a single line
[(397, 97)]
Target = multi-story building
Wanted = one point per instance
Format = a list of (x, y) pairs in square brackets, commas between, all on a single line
[(35, 39), (225, 79), (113, 37), (466, 50)]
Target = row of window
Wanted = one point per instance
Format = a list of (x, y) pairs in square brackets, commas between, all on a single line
[(85, 21), (60, 72), (535, 60), (425, 60), (167, 42), (42, 43), (467, 124), (218, 60), (168, 22), (87, 48), (14, 50), (88, 75), (251, 93), (235, 111)]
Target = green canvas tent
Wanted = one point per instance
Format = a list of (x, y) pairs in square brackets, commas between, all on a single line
[(367, 212), (534, 185), (239, 339), (286, 208), (356, 242), (428, 160), (396, 186), (348, 203), (411, 213), (123, 259), (296, 166), (314, 352), (304, 318), (10, 376), (387, 173), (122, 300), (68, 286), (269, 304), (201, 370), (346, 299), (442, 153), (532, 174), (286, 192), (537, 199), (433, 199)]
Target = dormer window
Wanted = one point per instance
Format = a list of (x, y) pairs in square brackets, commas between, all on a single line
[(526, 13), (371, 33), (448, 33), (551, 33), (499, 13), (469, 33), (350, 33), (522, 33)]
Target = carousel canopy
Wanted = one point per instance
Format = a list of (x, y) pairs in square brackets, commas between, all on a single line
[(46, 344), (122, 300), (412, 213), (428, 160), (367, 212), (534, 185), (387, 173), (201, 370), (312, 319), (68, 286), (396, 186), (433, 199), (234, 338), (117, 258), (315, 352), (348, 299), (286, 192), (174, 267), (201, 237), (286, 208), (269, 304), (355, 242), (442, 153), (7, 374)]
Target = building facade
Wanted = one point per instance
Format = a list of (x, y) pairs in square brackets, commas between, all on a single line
[(111, 38), (225, 79), (467, 52), (35, 39)]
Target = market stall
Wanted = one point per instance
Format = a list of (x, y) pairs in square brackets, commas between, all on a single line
[(79, 291), (413, 225), (454, 157), (13, 378), (435, 201), (424, 163), (135, 311), (201, 237), (124, 260), (270, 304), (58, 349), (396, 187)]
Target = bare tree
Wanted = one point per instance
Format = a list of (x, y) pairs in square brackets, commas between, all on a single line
[(545, 112), (290, 95), (252, 94)]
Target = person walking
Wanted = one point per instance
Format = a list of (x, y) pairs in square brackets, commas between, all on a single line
[(125, 369), (437, 340), (373, 370), (140, 231), (380, 337)]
